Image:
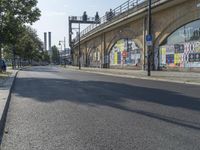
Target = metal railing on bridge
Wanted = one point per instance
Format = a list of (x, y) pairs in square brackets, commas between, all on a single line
[(111, 15), (80, 18)]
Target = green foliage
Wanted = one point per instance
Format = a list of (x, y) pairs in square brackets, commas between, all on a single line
[(55, 55), (13, 15), (7, 53), (27, 47), (46, 57)]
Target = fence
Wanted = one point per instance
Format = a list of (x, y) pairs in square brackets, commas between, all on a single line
[(111, 15)]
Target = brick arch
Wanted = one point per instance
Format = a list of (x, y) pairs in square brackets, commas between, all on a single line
[(89, 49), (92, 49), (123, 34), (93, 45), (176, 24)]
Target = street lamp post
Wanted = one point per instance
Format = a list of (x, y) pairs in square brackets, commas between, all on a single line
[(60, 53), (64, 49)]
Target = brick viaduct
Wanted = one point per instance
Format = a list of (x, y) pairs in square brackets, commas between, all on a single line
[(167, 16)]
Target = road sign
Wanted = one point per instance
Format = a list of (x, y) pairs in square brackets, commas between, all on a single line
[(149, 40)]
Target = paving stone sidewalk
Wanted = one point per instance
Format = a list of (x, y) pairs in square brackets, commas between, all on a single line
[(3, 78), (6, 83), (170, 76)]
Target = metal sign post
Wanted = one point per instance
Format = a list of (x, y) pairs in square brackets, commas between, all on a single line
[(149, 39)]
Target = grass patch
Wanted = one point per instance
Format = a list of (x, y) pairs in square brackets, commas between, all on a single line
[(5, 75)]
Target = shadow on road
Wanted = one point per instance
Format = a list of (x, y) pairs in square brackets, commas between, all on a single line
[(95, 93)]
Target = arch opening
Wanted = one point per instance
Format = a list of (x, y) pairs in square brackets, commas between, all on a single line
[(181, 49), (125, 53), (94, 58)]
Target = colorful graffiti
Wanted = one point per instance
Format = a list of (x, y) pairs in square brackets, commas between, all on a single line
[(126, 52), (180, 55)]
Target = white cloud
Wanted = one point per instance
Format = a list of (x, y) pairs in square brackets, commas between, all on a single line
[(66, 6), (92, 6)]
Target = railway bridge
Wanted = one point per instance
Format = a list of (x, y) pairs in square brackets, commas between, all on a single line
[(118, 40)]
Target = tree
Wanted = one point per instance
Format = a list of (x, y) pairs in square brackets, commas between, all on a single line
[(27, 47), (13, 15), (45, 57), (55, 55), (7, 53)]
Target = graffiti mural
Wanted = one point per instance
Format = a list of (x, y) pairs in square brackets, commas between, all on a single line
[(182, 47), (125, 52), (180, 55)]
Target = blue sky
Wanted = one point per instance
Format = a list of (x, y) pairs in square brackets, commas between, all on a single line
[(55, 15)]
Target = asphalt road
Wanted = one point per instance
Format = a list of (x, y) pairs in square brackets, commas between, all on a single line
[(56, 109)]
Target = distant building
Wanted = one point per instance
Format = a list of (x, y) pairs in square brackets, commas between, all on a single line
[(45, 41), (65, 56), (49, 41)]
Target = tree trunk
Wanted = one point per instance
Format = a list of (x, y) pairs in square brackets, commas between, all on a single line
[(14, 59), (0, 59)]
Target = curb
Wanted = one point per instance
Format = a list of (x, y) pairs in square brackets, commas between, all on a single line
[(5, 109), (145, 78), (137, 77)]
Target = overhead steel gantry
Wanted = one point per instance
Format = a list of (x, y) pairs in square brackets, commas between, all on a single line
[(80, 20)]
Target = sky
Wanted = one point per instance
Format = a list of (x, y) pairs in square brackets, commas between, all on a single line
[(54, 15)]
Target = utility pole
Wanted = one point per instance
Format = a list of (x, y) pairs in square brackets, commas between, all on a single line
[(63, 50), (150, 37), (79, 47), (65, 55)]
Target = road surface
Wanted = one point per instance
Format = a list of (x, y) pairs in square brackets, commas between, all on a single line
[(56, 109)]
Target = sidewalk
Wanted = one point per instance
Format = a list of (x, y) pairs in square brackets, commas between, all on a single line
[(6, 84), (169, 76)]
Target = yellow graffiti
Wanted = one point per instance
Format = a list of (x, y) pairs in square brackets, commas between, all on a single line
[(115, 58), (177, 58)]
